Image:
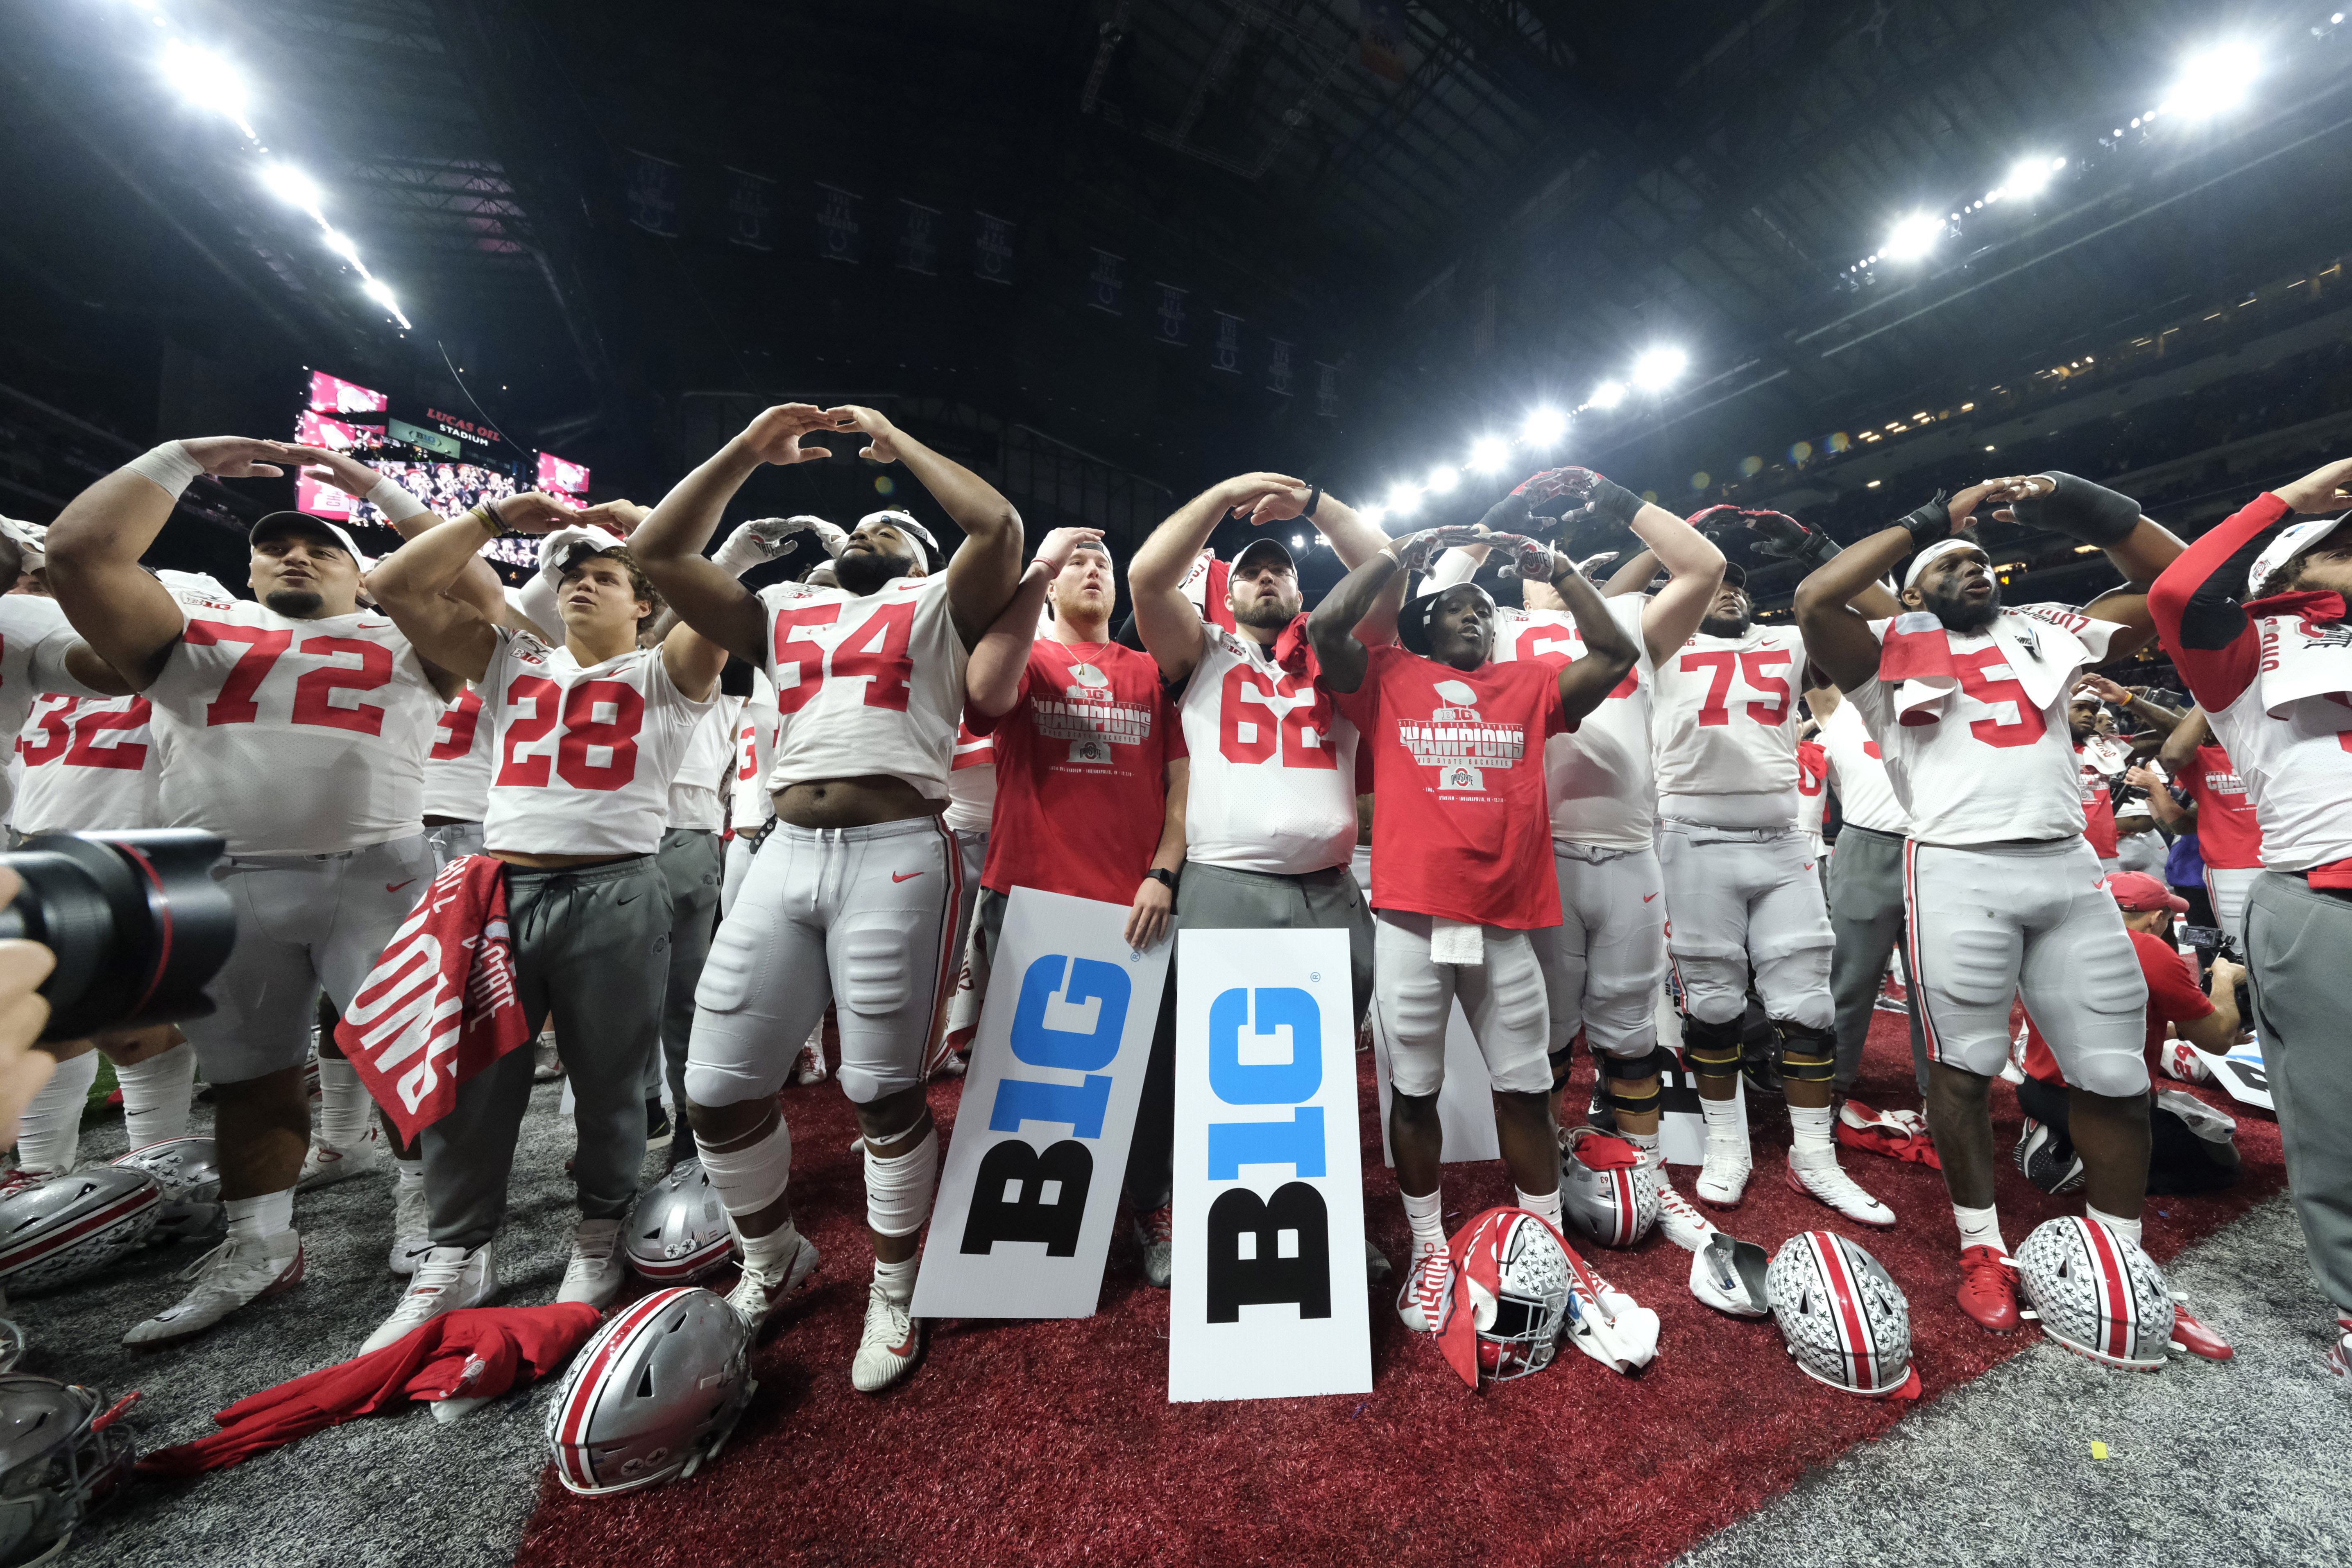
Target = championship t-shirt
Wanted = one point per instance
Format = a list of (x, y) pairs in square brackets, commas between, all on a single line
[(1460, 828), (1081, 772), (2172, 997), (2229, 836), (2099, 760)]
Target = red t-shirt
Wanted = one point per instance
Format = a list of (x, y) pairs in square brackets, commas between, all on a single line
[(2228, 835), (1081, 772), (2098, 810), (1460, 829), (2172, 997)]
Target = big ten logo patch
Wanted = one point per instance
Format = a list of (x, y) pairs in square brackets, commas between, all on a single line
[(1265, 1057), (1065, 1029)]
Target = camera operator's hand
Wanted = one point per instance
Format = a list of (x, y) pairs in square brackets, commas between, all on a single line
[(23, 1014), (2226, 975)]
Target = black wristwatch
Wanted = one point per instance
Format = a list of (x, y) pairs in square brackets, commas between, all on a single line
[(1166, 879)]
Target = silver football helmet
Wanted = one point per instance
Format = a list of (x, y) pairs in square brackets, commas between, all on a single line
[(677, 1231), (654, 1394), (1511, 1272), (2098, 1294), (188, 1170), (1846, 1321), (59, 1229), (1607, 1190), (61, 1451)]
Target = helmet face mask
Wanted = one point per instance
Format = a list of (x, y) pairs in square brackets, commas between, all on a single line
[(66, 1459)]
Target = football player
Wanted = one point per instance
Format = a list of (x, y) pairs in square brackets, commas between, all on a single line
[(1969, 703), (852, 897)]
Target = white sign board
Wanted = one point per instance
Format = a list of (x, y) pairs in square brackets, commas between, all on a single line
[(1465, 1103), (2242, 1075), (1268, 1299), (1032, 1179)]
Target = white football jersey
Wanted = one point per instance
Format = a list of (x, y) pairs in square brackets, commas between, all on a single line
[(585, 756), (1994, 767), (290, 737), (1272, 763), (870, 684), (971, 783), (1857, 773), (34, 638), (2295, 758), (90, 766), (1597, 780), (458, 768), (1812, 791), (1724, 728), (755, 752), (695, 796)]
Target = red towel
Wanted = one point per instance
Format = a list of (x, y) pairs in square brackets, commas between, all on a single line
[(474, 1353), (440, 1005)]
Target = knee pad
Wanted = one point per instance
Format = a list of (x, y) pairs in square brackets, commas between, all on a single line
[(1808, 1055), (1619, 1071), (899, 1189), (1713, 1047), (1563, 1062), (750, 1176)]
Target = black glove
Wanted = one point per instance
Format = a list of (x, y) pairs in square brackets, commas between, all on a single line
[(1783, 536), (1930, 522), (1507, 516), (2080, 509), (1582, 486)]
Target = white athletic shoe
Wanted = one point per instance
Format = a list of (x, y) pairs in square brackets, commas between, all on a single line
[(227, 1277), (886, 1351), (1723, 1177), (1421, 1299), (446, 1278), (1829, 1183), (760, 1291), (546, 1064), (323, 1164), (596, 1271), (809, 1067), (1679, 1217), (412, 1229)]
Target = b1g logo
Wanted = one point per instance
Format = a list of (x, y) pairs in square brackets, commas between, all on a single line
[(1277, 1248)]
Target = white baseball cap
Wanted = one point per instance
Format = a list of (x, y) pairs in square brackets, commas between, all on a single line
[(278, 524), (2291, 543)]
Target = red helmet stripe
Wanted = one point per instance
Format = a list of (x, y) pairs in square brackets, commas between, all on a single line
[(2118, 1305), (1622, 1181), (127, 1206), (1853, 1322), (577, 1409)]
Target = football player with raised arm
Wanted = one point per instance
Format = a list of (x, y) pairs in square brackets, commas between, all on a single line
[(852, 898), (1968, 700)]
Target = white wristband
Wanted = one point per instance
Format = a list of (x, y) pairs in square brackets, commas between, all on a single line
[(737, 556), (392, 499), (168, 465)]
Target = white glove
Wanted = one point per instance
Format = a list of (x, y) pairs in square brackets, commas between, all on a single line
[(767, 539), (537, 598), (32, 541), (1609, 1325)]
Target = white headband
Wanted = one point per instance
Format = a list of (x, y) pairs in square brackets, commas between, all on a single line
[(1935, 552)]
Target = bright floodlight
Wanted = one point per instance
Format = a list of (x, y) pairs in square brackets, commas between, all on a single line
[(1912, 237), (2029, 176), (342, 245), (1372, 517), (1402, 500), (292, 186), (207, 80), (1544, 426), (2214, 80), (1489, 454), (375, 288), (1442, 479), (1659, 369), (1608, 394)]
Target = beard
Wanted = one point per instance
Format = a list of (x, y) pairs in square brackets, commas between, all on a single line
[(1726, 625), (867, 571), (294, 604), (1265, 614), (1958, 615)]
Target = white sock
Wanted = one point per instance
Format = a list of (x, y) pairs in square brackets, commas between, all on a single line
[(344, 1105), (48, 1135), (259, 1218), (767, 1253), (1427, 1218), (1726, 1122), (156, 1095), (2126, 1229), (1546, 1204), (409, 1175), (896, 1280), (1812, 1142), (1980, 1228)]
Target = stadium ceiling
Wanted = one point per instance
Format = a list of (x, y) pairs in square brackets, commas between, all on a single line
[(1465, 207)]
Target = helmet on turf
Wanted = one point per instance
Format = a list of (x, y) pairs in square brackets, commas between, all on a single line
[(1728, 1274), (2046, 1158), (1509, 1290), (2098, 1294), (188, 1170), (62, 1228), (62, 1450), (654, 1394), (1607, 1191), (677, 1231), (1846, 1321)]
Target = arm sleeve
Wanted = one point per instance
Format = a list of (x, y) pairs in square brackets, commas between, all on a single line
[(2206, 630)]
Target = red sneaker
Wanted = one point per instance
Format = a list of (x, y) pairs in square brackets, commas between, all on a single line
[(1988, 1291), (2189, 1335)]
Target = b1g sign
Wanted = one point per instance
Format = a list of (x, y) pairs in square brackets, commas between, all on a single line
[(1023, 1218), (1268, 1298)]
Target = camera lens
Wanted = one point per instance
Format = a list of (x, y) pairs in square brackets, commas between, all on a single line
[(138, 924)]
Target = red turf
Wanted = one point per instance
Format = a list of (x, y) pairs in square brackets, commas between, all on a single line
[(1055, 1441)]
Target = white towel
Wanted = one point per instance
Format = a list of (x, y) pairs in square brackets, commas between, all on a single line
[(1452, 942)]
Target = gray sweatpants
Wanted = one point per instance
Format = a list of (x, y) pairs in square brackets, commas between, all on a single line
[(591, 946), (1866, 915), (692, 861), (2299, 948)]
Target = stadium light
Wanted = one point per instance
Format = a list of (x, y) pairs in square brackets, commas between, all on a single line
[(1544, 426), (1372, 517), (292, 186), (375, 288), (1402, 499), (2215, 79), (1442, 479), (1912, 237), (1659, 369), (2030, 175), (1489, 454), (1608, 394), (208, 81), (342, 245)]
